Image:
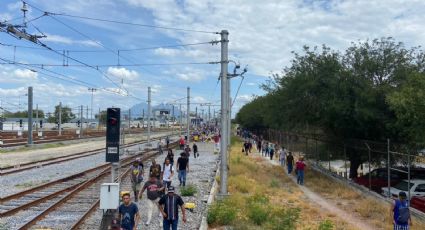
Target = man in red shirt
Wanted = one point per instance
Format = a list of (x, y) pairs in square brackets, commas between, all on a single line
[(299, 168)]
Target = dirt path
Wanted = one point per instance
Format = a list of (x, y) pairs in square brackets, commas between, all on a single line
[(328, 206)]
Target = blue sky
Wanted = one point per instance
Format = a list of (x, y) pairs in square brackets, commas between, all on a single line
[(262, 36)]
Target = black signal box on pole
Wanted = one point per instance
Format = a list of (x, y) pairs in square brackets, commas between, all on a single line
[(113, 122)]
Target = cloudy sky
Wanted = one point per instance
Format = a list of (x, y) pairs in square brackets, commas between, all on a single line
[(262, 36)]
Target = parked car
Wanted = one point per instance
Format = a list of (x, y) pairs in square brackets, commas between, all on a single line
[(379, 177), (418, 202), (416, 187)]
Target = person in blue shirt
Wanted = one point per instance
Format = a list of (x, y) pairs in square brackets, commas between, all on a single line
[(400, 213), (128, 213)]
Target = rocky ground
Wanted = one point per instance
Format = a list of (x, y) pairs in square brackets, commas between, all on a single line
[(201, 175)]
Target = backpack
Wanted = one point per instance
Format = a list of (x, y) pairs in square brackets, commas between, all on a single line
[(404, 213)]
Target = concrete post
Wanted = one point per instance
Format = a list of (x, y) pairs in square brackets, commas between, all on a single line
[(30, 115), (224, 112)]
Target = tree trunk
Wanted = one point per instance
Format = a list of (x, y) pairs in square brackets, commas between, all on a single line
[(355, 162)]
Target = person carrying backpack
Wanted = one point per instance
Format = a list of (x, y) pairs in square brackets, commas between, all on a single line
[(401, 213), (136, 177)]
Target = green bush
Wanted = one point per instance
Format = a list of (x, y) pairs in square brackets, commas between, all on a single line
[(258, 213), (274, 183), (221, 213), (326, 225), (284, 219), (189, 190)]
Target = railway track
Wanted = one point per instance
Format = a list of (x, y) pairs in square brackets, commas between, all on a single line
[(35, 164), (61, 204)]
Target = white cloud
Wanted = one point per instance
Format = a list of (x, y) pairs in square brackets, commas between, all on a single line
[(194, 77), (12, 75), (69, 41), (123, 73), (252, 84), (199, 99)]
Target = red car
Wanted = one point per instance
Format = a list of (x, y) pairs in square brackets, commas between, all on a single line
[(418, 202), (379, 179)]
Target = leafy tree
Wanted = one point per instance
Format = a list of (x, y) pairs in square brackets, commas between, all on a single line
[(66, 115), (24, 114), (102, 115), (373, 90)]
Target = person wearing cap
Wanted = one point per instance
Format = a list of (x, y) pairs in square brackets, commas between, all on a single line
[(168, 206), (400, 213), (136, 177)]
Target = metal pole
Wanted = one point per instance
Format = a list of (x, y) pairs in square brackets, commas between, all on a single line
[(181, 118), (60, 119), (388, 167), (188, 115), (30, 115), (81, 121), (149, 116), (408, 176), (224, 112), (87, 116), (345, 162), (36, 118), (209, 113), (370, 175)]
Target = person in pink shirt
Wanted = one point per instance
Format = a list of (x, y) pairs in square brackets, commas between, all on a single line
[(299, 169)]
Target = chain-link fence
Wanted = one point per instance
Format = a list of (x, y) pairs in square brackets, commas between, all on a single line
[(381, 167)]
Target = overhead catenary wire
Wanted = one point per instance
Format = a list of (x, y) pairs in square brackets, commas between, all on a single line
[(115, 65)]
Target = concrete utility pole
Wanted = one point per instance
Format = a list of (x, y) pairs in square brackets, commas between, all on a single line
[(209, 113), (36, 118), (224, 112), (188, 115), (81, 121), (30, 115), (91, 107), (87, 116), (60, 119), (181, 118), (149, 116)]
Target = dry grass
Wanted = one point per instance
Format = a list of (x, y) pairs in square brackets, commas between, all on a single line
[(375, 213), (251, 176)]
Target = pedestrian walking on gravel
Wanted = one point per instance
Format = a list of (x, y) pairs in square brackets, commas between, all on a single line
[(155, 170), (128, 213), (182, 168), (299, 169), (167, 141), (400, 213), (170, 155), (136, 177), (167, 173), (169, 208), (187, 151), (290, 162), (181, 143), (154, 189), (195, 150)]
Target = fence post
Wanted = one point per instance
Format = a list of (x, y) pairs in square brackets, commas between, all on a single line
[(388, 168), (345, 161), (408, 175), (317, 154)]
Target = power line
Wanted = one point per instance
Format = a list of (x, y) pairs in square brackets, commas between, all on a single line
[(115, 65), (122, 22), (115, 50)]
